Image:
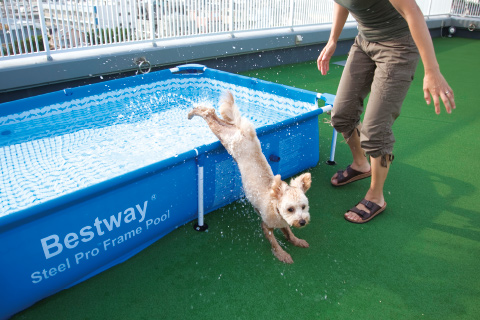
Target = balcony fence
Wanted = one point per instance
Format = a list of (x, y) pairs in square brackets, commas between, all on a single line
[(29, 27)]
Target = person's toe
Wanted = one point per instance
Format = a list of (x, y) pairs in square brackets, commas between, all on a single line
[(334, 179), (352, 216)]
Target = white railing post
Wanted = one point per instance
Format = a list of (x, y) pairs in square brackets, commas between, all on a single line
[(24, 39), (152, 21), (54, 33), (230, 22), (429, 8), (292, 12), (13, 33), (35, 35), (44, 30), (4, 36)]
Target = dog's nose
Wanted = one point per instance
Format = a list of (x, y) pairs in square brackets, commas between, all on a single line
[(302, 222)]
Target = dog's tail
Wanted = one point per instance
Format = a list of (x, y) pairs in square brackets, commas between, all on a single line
[(230, 113)]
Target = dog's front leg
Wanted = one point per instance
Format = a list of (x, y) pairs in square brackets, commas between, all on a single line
[(222, 129), (296, 241), (281, 254)]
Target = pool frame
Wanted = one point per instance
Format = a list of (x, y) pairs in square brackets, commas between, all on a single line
[(59, 243)]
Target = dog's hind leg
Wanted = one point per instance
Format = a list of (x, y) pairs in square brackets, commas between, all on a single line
[(281, 254), (291, 238)]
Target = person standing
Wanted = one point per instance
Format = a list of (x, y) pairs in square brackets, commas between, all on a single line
[(392, 36)]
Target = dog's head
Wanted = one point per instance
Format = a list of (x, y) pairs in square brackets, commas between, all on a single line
[(292, 204)]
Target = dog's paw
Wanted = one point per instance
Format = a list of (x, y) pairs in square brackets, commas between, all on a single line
[(201, 111), (301, 243), (283, 256), (191, 114)]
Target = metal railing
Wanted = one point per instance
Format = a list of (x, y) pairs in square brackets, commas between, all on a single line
[(40, 26), (466, 8)]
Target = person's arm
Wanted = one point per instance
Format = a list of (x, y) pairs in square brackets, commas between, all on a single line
[(340, 15), (434, 84)]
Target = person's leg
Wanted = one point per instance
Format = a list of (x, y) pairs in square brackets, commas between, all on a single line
[(392, 80), (359, 163), (353, 88)]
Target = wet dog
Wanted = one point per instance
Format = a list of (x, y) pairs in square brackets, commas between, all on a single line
[(279, 204)]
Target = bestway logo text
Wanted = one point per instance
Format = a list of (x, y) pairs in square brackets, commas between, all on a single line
[(52, 245)]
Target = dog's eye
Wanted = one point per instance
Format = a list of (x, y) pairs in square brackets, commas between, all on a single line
[(291, 209), (303, 207)]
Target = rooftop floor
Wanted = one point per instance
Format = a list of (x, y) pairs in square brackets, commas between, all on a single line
[(418, 259)]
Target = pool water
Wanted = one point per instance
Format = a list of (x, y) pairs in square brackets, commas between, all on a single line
[(57, 149)]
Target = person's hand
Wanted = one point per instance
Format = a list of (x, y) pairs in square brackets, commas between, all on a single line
[(435, 86), (323, 61)]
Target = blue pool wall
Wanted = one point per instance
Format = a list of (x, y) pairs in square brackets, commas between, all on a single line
[(54, 245)]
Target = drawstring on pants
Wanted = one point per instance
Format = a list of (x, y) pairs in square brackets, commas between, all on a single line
[(383, 162)]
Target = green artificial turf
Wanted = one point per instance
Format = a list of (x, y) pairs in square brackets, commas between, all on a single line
[(417, 260)]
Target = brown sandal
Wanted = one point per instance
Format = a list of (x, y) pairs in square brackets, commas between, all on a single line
[(374, 210), (352, 175)]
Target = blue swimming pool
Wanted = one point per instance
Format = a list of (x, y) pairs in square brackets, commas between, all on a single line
[(91, 176)]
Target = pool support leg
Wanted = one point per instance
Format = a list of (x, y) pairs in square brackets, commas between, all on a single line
[(329, 101), (200, 225), (331, 160)]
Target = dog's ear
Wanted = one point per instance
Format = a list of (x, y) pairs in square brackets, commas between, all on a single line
[(276, 190), (303, 182)]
